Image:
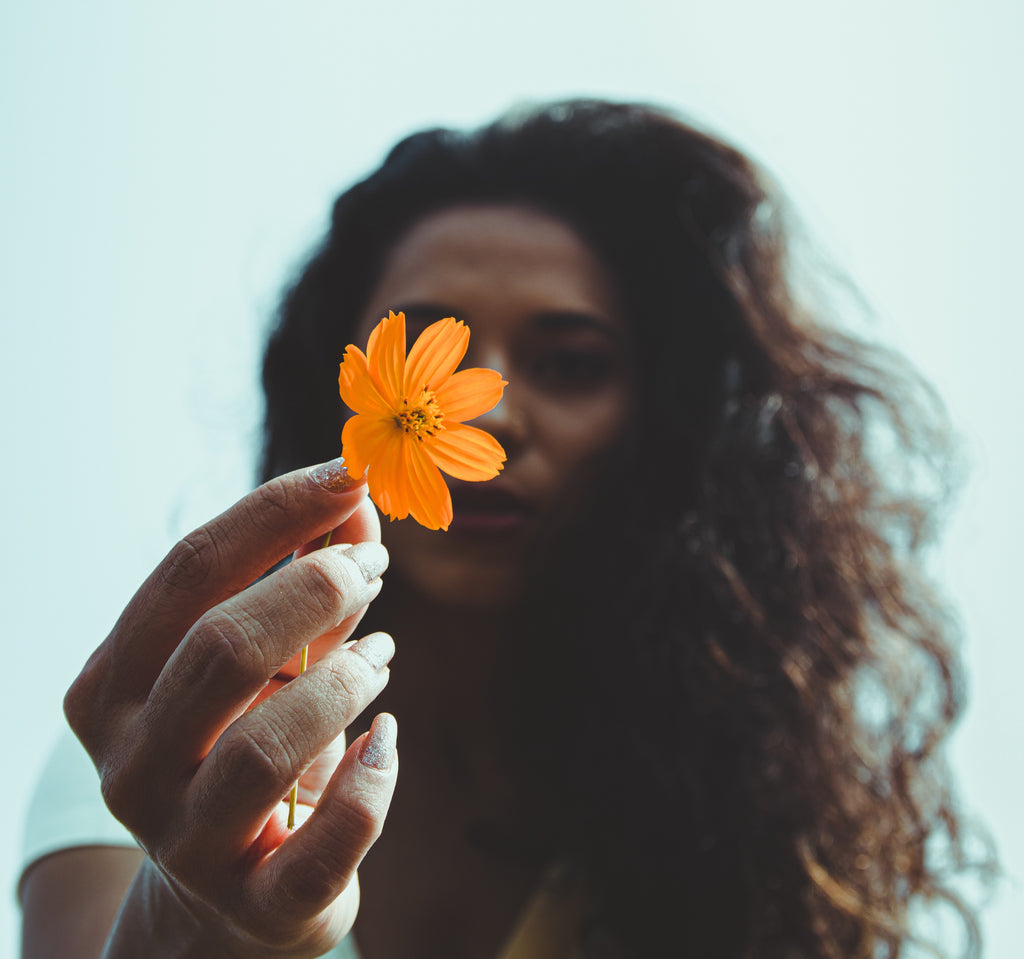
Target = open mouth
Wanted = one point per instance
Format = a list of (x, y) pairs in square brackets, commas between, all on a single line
[(484, 508)]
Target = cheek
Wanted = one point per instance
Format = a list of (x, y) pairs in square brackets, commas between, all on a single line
[(577, 436)]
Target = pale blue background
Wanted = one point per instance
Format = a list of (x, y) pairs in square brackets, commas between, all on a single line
[(165, 166)]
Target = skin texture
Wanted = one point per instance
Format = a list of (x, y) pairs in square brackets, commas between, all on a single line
[(162, 706), (542, 312)]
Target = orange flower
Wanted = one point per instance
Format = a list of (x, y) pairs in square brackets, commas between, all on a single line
[(410, 418)]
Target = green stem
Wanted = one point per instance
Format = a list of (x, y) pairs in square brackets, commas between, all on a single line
[(303, 657)]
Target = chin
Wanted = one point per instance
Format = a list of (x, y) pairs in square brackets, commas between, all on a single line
[(462, 585), (449, 577)]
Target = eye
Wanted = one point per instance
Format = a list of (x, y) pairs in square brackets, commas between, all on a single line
[(572, 368)]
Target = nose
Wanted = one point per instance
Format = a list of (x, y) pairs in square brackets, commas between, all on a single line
[(507, 422)]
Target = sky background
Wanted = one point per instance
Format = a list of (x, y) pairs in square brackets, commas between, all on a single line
[(165, 168)]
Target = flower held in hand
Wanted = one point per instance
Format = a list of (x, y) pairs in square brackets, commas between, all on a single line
[(410, 418)]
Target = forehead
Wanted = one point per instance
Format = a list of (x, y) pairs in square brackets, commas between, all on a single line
[(471, 258)]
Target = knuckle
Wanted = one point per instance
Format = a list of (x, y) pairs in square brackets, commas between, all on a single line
[(225, 643), (270, 503), (192, 561), (263, 763), (121, 790), (77, 702), (314, 881), (328, 587), (361, 821), (88, 703), (341, 682), (116, 792)]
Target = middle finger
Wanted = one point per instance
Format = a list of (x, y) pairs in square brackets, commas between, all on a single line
[(234, 649)]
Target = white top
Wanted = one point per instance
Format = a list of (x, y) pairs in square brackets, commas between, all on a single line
[(67, 809)]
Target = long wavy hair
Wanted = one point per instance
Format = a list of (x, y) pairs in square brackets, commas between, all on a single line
[(777, 673)]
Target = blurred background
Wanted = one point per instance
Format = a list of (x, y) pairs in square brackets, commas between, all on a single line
[(165, 168)]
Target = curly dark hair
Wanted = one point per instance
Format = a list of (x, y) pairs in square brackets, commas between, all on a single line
[(779, 670)]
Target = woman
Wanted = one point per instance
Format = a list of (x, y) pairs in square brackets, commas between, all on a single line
[(669, 686)]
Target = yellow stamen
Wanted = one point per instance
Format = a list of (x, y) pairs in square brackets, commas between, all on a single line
[(421, 417)]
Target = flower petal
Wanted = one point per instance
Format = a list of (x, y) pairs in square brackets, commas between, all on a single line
[(466, 452), (385, 352), (388, 477), (357, 389), (364, 439), (469, 393), (430, 503), (437, 352)]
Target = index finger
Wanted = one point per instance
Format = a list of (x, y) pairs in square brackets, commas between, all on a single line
[(220, 559)]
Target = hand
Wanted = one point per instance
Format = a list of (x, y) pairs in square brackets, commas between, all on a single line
[(199, 777)]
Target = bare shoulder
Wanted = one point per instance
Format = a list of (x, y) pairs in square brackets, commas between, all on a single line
[(82, 886)]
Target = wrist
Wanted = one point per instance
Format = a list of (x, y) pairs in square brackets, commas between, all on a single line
[(156, 921)]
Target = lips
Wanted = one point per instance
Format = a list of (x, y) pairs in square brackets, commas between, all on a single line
[(488, 508)]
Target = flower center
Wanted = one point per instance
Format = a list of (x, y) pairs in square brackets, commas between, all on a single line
[(421, 416)]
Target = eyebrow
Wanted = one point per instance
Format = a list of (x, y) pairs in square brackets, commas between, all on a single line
[(578, 320), (420, 315), (424, 313)]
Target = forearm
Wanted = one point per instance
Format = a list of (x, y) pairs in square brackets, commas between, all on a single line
[(69, 900)]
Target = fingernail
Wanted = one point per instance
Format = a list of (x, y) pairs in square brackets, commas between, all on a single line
[(371, 558), (334, 477), (377, 649), (378, 749)]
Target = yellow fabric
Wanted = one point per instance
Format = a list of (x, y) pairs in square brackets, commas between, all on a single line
[(550, 924)]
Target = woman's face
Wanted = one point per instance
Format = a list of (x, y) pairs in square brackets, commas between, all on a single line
[(543, 312)]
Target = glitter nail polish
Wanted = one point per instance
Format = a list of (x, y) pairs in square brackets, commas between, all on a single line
[(334, 477), (377, 649), (378, 749)]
